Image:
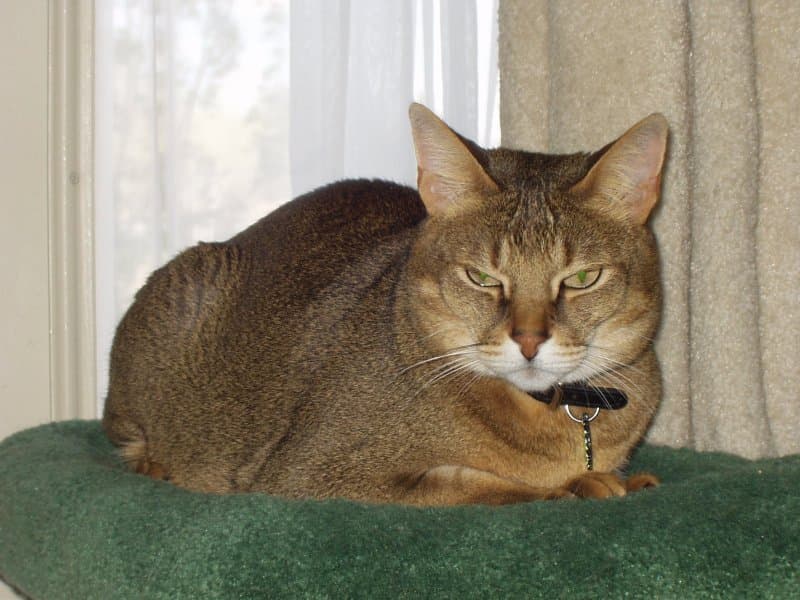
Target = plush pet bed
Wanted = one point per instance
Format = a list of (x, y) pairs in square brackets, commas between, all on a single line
[(75, 524)]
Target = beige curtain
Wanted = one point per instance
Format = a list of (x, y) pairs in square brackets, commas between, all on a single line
[(575, 74)]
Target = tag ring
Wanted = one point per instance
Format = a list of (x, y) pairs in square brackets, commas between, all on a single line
[(585, 419)]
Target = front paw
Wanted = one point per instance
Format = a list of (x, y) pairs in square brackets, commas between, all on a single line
[(641, 481), (607, 485), (597, 485)]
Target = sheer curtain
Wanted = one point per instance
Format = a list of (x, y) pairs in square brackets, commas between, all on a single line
[(356, 65), (210, 114)]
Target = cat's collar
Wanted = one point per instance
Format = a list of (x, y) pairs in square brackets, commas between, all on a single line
[(584, 396)]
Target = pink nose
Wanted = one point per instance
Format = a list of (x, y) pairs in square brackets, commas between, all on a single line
[(529, 341)]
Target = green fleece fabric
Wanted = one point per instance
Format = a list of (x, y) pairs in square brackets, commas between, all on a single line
[(75, 524)]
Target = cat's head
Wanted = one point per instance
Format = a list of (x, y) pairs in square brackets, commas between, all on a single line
[(535, 268)]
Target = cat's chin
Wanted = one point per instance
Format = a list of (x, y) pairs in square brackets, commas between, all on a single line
[(553, 364), (530, 380)]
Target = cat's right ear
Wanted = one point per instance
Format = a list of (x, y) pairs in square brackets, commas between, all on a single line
[(449, 177)]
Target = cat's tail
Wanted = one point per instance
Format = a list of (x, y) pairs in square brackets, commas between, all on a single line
[(126, 435), (133, 448)]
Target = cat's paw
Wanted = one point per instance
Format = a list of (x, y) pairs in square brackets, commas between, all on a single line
[(560, 493), (608, 485), (641, 481), (597, 485)]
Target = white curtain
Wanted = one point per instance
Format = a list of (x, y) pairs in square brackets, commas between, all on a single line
[(209, 114), (357, 64)]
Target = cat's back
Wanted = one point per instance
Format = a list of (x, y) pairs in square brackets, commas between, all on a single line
[(257, 288), (316, 254), (348, 217), (224, 327)]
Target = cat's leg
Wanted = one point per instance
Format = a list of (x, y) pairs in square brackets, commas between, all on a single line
[(606, 485), (451, 484)]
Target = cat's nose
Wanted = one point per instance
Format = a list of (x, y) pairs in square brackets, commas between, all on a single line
[(529, 341)]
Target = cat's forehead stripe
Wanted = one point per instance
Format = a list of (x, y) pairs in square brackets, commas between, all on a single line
[(532, 222)]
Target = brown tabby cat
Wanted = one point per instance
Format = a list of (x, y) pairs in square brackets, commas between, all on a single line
[(370, 342)]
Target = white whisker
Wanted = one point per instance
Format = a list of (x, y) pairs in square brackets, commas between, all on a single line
[(452, 370), (462, 351), (455, 368), (619, 380)]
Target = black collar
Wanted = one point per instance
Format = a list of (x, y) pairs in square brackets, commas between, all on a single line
[(575, 394)]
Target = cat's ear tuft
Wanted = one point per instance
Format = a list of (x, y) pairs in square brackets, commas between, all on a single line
[(626, 180), (449, 177)]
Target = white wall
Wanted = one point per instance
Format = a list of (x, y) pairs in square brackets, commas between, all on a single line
[(24, 305)]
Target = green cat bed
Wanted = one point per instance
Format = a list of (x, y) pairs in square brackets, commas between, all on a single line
[(75, 524)]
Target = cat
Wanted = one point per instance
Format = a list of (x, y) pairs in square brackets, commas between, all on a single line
[(376, 343)]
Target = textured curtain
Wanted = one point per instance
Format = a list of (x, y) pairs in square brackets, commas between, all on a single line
[(727, 76)]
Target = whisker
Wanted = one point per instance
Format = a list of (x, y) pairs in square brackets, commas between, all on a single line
[(459, 351), (610, 360), (605, 364), (452, 371), (617, 372), (448, 365), (619, 380), (603, 397), (609, 366)]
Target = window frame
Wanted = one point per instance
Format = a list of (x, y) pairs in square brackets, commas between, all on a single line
[(71, 54)]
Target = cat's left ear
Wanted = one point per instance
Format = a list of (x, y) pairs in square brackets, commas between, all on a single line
[(449, 177), (626, 181)]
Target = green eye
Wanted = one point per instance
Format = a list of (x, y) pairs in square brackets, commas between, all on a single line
[(482, 279), (582, 279)]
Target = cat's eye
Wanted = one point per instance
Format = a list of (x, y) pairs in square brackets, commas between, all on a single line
[(582, 279), (482, 279)]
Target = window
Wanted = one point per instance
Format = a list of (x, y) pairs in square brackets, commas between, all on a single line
[(210, 114)]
